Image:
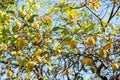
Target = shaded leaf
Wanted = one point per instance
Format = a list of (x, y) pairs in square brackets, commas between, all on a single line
[(55, 28)]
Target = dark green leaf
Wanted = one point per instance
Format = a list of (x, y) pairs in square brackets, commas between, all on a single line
[(11, 11), (34, 15), (55, 28), (31, 20), (68, 39)]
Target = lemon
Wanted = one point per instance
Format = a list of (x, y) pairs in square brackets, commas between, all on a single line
[(115, 66), (19, 53), (28, 16), (37, 58), (9, 73), (91, 41), (30, 65), (21, 42), (87, 61), (22, 13), (108, 45), (56, 52), (72, 44), (102, 52), (18, 24), (114, 1), (67, 71), (4, 47), (36, 26), (44, 61)]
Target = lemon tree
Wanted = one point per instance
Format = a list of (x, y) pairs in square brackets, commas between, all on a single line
[(59, 39)]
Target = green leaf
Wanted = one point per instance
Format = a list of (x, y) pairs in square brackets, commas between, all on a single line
[(68, 39), (80, 78), (49, 10), (93, 70), (34, 15), (10, 11), (86, 13), (55, 28), (5, 31), (12, 40), (73, 5), (90, 28), (31, 20), (44, 78), (23, 62), (41, 4), (75, 30), (14, 28), (23, 7)]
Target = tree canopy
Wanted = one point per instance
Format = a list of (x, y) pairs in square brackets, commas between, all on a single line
[(59, 39)]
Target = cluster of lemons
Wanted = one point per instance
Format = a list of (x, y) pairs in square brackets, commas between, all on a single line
[(31, 64), (95, 4), (27, 16)]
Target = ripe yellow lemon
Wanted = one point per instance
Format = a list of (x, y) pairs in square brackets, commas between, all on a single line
[(111, 37), (95, 38), (87, 61), (36, 26), (115, 1), (30, 65), (72, 44), (28, 16), (67, 71), (37, 58), (89, 21), (108, 45), (56, 52), (38, 36), (19, 60), (9, 73), (81, 3), (7, 22), (115, 66), (19, 53), (22, 13), (21, 42), (91, 41), (102, 52), (18, 24), (4, 47), (38, 51), (44, 61)]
